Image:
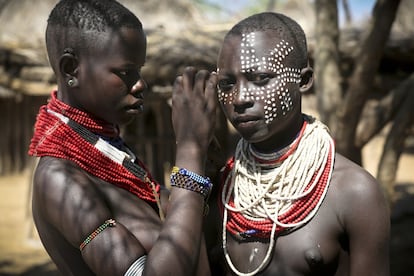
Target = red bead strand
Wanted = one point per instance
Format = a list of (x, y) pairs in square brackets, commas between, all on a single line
[(237, 224), (54, 138)]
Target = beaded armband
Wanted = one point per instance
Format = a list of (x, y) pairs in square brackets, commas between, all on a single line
[(189, 180), (106, 224)]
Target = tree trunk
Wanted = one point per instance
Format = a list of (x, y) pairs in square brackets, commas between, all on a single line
[(327, 72), (347, 12), (360, 84), (394, 144), (378, 115)]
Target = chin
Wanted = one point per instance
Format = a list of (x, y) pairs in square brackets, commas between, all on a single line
[(255, 137), (126, 121)]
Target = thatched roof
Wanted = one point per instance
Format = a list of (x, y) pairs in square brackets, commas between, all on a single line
[(178, 35), (174, 41)]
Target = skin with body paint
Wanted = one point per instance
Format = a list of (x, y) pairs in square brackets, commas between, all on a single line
[(262, 71), (270, 92)]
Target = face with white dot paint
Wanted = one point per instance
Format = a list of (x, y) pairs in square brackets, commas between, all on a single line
[(258, 82)]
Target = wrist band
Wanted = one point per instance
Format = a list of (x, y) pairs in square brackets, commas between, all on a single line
[(106, 224), (196, 177), (189, 180)]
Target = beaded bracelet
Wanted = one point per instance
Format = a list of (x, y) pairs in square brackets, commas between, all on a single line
[(106, 224), (189, 180)]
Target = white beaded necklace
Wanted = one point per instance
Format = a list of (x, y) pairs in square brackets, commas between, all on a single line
[(262, 191)]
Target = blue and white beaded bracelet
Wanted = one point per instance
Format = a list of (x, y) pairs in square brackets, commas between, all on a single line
[(183, 178)]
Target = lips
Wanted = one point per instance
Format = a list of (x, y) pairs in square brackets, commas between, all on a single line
[(243, 119), (138, 105)]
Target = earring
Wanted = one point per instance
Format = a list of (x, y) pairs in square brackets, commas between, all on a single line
[(71, 82)]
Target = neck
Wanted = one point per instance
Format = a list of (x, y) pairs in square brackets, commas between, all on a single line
[(283, 138), (87, 120), (279, 155)]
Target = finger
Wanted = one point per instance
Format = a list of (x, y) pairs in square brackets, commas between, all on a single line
[(201, 79), (177, 89), (211, 91), (188, 79)]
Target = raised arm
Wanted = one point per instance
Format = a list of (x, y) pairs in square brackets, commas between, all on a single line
[(193, 115), (77, 204)]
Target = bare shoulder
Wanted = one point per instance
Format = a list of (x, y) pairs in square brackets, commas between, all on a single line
[(64, 194), (351, 178), (347, 172), (56, 180), (355, 190)]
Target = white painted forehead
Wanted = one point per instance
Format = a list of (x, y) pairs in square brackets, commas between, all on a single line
[(271, 59)]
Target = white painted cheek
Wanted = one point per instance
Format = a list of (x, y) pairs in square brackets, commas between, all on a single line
[(225, 97), (278, 92), (270, 110)]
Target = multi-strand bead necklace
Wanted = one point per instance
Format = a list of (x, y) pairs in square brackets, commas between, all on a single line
[(65, 132), (266, 194)]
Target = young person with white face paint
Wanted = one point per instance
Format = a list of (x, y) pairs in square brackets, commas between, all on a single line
[(288, 203)]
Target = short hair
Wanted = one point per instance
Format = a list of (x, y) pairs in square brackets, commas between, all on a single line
[(70, 20), (286, 28)]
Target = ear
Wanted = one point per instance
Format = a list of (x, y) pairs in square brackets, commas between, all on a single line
[(68, 65), (306, 79)]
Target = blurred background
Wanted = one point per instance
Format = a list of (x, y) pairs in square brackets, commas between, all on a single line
[(362, 52)]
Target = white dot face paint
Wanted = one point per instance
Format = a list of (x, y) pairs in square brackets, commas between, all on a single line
[(275, 94)]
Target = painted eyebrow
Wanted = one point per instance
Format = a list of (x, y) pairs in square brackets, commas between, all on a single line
[(249, 69)]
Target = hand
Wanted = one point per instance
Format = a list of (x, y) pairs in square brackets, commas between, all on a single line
[(194, 109)]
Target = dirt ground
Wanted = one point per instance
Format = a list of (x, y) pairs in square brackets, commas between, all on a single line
[(21, 252)]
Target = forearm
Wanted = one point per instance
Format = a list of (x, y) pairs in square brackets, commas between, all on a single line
[(178, 245), (191, 157), (180, 238)]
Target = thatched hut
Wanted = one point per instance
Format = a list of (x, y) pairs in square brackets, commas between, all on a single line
[(26, 79), (178, 35)]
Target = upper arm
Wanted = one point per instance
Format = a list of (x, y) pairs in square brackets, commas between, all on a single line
[(69, 201), (367, 222)]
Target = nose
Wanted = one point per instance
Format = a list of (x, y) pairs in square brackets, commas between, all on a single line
[(242, 97), (139, 87)]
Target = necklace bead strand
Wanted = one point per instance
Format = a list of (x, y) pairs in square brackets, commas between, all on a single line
[(264, 195), (54, 137)]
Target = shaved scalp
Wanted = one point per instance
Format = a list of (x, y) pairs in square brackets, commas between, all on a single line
[(284, 27), (76, 24)]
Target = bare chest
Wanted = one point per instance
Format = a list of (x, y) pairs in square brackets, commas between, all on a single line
[(138, 216), (314, 249)]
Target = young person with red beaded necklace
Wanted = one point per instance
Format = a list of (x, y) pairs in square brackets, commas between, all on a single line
[(96, 207), (288, 204)]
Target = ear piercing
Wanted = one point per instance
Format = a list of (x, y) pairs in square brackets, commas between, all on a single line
[(72, 82), (69, 51)]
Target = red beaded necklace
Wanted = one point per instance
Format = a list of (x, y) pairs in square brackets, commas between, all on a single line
[(74, 140), (247, 229)]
